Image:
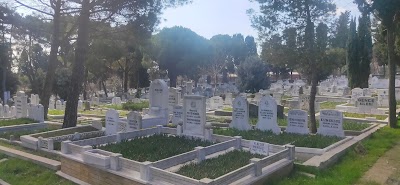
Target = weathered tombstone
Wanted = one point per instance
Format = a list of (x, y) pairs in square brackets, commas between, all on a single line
[(355, 94), (383, 98), (59, 105), (51, 104), (1, 111), (21, 105), (331, 123), (172, 99), (346, 91), (216, 103), (297, 122), (6, 111), (278, 98), (134, 121), (267, 115), (334, 89), (112, 122), (194, 116), (228, 99), (177, 114), (80, 104), (13, 111), (159, 100), (304, 101), (189, 88), (366, 104), (40, 113), (240, 114), (87, 105)]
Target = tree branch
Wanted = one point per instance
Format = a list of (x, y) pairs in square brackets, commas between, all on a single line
[(32, 8)]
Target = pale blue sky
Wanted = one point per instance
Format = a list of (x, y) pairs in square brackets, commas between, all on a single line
[(211, 17)]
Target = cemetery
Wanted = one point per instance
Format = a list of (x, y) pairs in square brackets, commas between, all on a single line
[(120, 92)]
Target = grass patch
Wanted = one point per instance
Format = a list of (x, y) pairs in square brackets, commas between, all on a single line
[(20, 172), (216, 167), (66, 132), (6, 135), (216, 119), (310, 141), (355, 115), (153, 148), (3, 156), (135, 106), (100, 112), (228, 109), (56, 112), (329, 105), (19, 121), (34, 152), (352, 166)]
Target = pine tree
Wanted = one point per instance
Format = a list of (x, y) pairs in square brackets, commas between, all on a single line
[(352, 56), (365, 50)]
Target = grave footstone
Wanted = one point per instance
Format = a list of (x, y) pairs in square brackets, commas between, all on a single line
[(331, 123), (267, 115), (228, 99), (240, 114), (297, 122)]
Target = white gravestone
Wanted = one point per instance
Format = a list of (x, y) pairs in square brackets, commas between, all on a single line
[(267, 115), (355, 94), (172, 99), (51, 104), (189, 88), (194, 116), (259, 148), (21, 105), (13, 111), (59, 105), (216, 103), (240, 114), (112, 122), (331, 123), (383, 98), (304, 101), (366, 104), (6, 111), (228, 99), (134, 121), (297, 122), (278, 98), (159, 99), (1, 111), (80, 104), (177, 114)]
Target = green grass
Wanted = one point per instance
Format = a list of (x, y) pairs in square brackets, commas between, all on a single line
[(56, 112), (352, 166), (6, 135), (3, 156), (355, 115), (216, 167), (19, 121), (98, 112), (66, 132), (135, 106), (20, 172), (154, 148), (216, 119), (285, 97), (329, 105), (228, 109), (34, 152), (310, 141)]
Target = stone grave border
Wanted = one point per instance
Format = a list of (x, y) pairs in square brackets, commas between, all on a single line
[(106, 164), (47, 144)]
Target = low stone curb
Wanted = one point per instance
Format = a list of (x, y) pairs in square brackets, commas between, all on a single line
[(70, 178), (48, 163), (4, 182)]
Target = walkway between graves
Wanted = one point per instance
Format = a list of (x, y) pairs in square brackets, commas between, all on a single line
[(48, 163), (386, 169)]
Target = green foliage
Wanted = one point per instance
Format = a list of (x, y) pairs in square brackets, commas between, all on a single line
[(62, 82), (153, 148), (310, 141), (216, 167), (56, 112), (135, 106), (352, 166), (359, 53), (356, 115), (19, 121), (329, 105), (180, 51), (20, 172), (252, 75)]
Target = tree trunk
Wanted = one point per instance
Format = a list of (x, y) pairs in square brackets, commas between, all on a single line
[(172, 80), (85, 85), (392, 75), (313, 92), (104, 88), (126, 76), (51, 70), (71, 110), (3, 81)]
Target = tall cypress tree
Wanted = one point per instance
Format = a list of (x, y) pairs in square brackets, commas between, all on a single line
[(365, 50), (352, 56)]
